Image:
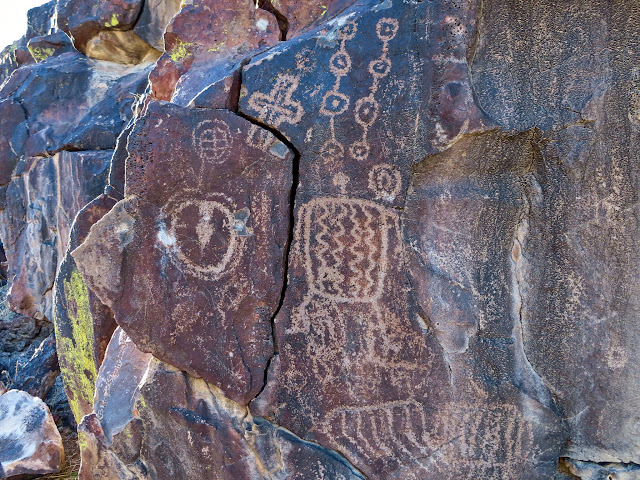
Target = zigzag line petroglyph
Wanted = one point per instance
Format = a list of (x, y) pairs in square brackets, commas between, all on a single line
[(333, 228)]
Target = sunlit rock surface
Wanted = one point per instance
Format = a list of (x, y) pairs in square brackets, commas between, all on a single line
[(339, 240)]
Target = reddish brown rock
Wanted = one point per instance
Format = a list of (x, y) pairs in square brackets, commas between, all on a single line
[(224, 32), (202, 231), (146, 405), (297, 16), (29, 440), (452, 300), (83, 19)]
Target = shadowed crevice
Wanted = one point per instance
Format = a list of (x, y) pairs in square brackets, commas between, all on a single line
[(295, 174)]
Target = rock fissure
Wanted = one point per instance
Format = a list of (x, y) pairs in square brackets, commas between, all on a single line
[(295, 169), (283, 23)]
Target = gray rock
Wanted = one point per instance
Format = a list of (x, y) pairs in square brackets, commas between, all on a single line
[(29, 440)]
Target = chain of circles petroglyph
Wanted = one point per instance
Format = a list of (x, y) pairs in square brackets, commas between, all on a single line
[(384, 180)]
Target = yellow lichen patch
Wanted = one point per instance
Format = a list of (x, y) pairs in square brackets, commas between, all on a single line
[(113, 23), (77, 355), (39, 54), (82, 441), (180, 51), (217, 47)]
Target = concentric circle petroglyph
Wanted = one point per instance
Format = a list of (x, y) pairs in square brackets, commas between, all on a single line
[(385, 181)]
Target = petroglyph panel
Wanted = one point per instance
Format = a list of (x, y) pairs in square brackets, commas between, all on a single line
[(359, 367), (203, 261)]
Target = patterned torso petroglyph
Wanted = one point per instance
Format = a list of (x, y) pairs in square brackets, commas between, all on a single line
[(349, 257), (359, 367)]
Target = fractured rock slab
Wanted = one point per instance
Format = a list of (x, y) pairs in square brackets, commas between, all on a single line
[(159, 404), (83, 324), (197, 245), (30, 443)]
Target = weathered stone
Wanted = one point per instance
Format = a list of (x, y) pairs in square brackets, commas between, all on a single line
[(576, 263), (29, 440), (83, 324), (37, 375), (224, 31), (84, 19), (438, 273), (58, 404), (296, 16), (35, 225), (154, 18), (118, 382), (214, 264), (47, 46), (46, 193), (20, 336), (357, 359), (12, 57), (168, 404), (597, 471)]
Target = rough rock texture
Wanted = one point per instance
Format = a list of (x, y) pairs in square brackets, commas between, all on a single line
[(347, 239), (29, 440), (143, 405), (83, 324), (219, 257)]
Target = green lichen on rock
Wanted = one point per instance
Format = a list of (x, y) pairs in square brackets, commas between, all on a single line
[(180, 51), (39, 54), (114, 22), (77, 354)]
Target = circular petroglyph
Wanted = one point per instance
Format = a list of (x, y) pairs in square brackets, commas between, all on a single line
[(387, 28), (385, 181), (359, 150), (380, 68), (200, 235), (212, 140), (340, 63), (366, 111), (334, 103)]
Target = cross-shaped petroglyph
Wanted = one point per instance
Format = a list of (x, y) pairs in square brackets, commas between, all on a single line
[(275, 108)]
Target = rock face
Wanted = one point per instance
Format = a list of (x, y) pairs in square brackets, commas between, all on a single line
[(29, 440), (341, 240)]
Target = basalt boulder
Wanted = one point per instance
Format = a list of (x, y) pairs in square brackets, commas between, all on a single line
[(29, 440)]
